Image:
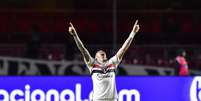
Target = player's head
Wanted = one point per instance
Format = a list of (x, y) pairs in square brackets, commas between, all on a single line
[(181, 52), (101, 56)]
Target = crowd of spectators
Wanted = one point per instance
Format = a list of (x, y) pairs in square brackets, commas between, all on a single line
[(35, 29)]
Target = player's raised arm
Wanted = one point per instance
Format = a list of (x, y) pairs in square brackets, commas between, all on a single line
[(127, 43), (83, 50)]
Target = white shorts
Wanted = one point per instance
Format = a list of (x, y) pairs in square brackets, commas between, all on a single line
[(106, 100)]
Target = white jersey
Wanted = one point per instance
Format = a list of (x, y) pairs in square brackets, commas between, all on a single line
[(103, 77)]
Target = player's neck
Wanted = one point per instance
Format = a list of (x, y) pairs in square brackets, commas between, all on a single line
[(102, 62)]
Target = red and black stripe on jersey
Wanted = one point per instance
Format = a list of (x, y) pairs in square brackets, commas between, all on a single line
[(97, 68)]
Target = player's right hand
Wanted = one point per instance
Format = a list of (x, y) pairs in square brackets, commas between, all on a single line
[(72, 30)]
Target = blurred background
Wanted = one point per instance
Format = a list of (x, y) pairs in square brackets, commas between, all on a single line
[(34, 40)]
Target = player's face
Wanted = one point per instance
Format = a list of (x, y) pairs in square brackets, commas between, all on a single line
[(183, 53), (101, 56)]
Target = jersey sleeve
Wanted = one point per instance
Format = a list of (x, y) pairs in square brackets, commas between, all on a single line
[(115, 61), (89, 63)]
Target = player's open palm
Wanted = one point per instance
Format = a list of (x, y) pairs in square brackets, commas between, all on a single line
[(136, 27), (72, 30)]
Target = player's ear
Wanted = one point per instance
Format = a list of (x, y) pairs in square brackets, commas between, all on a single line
[(95, 57)]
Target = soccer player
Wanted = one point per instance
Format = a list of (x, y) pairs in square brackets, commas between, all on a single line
[(103, 69), (181, 68)]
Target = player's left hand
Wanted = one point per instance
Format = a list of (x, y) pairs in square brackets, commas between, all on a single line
[(136, 27)]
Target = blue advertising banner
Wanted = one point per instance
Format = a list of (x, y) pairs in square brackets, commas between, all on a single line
[(142, 88)]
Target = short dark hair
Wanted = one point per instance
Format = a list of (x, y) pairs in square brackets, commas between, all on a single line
[(180, 52)]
